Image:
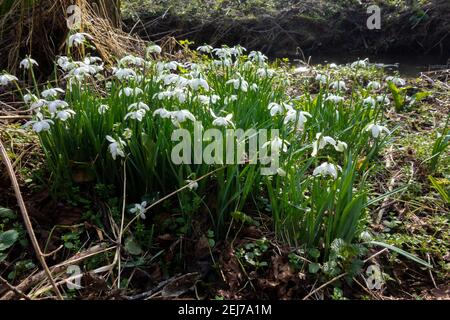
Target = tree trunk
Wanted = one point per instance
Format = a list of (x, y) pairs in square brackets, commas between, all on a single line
[(108, 9)]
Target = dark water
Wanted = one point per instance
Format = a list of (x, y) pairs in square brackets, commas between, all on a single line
[(408, 66)]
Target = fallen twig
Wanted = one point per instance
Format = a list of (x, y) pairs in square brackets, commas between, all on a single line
[(26, 218)]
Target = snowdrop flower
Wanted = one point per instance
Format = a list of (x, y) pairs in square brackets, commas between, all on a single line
[(383, 100), (6, 78), (103, 108), (374, 85), (138, 106), (52, 92), (257, 57), (321, 142), (192, 184), (28, 63), (78, 38), (298, 117), (376, 130), (65, 114), (181, 116), (229, 99), (127, 91), (277, 144), (203, 99), (327, 169), (205, 48), (163, 113), (132, 60), (333, 65), (154, 48), (40, 124), (239, 84), (396, 80), (65, 63), (254, 87), (275, 108), (214, 98), (334, 98), (222, 121), (359, 64), (135, 115), (264, 72), (38, 103), (124, 74), (139, 209), (369, 101), (338, 85), (54, 105), (116, 147), (321, 78), (29, 97), (195, 84), (237, 50), (340, 146)]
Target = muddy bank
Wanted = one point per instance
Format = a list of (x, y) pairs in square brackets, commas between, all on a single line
[(311, 27)]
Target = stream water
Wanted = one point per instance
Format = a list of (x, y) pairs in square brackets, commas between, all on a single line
[(409, 66)]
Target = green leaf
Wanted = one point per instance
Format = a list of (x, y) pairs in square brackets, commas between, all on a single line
[(313, 252), (403, 253), (7, 239), (132, 247), (7, 213), (313, 267)]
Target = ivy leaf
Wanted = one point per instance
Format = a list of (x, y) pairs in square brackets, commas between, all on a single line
[(313, 267), (132, 247), (7, 239)]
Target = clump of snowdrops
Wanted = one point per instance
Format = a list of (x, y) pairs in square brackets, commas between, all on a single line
[(94, 120)]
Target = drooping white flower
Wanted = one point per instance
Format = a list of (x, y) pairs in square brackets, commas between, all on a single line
[(239, 83), (29, 97), (54, 105), (163, 113), (195, 84), (321, 142), (265, 72), (229, 99), (359, 63), (222, 121), (192, 184), (298, 117), (38, 104), (116, 147), (127, 91), (374, 85), (327, 169), (40, 124), (154, 48), (78, 38), (258, 57), (132, 60), (52, 92), (369, 101), (340, 146), (377, 129), (396, 80), (139, 209), (338, 85), (125, 73), (334, 98), (333, 65), (28, 63), (383, 100), (64, 63), (205, 48), (181, 116), (276, 108), (277, 144), (65, 114), (103, 108), (137, 111), (6, 78), (321, 78), (254, 87)]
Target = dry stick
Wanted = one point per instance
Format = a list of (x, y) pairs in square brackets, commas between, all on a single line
[(15, 117), (26, 218), (13, 289), (122, 222)]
